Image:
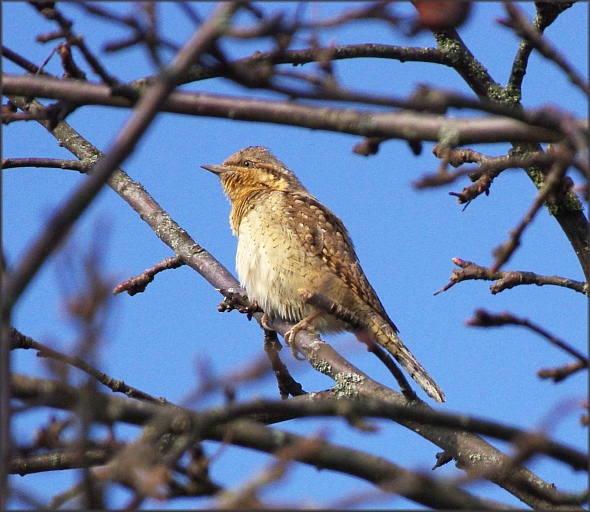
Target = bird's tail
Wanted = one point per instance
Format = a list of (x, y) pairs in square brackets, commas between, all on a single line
[(384, 334)]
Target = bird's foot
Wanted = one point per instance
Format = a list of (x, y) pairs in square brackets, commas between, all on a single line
[(303, 325)]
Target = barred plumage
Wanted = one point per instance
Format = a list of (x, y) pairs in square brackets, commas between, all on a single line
[(288, 240)]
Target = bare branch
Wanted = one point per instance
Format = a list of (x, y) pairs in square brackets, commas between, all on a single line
[(139, 283), (19, 60), (287, 384), (50, 12), (546, 14), (507, 279), (551, 183), (373, 10), (482, 177), (56, 163), (245, 433), (519, 23), (402, 125), (484, 319), (114, 408), (566, 207), (20, 341), (58, 460), (144, 113), (562, 372), (460, 58)]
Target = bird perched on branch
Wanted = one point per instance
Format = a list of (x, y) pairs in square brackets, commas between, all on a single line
[(287, 242)]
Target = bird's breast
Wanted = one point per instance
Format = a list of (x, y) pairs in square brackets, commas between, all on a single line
[(274, 262), (270, 262)]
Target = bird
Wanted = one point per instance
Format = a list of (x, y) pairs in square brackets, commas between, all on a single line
[(287, 242)]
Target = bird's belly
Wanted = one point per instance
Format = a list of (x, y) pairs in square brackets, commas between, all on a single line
[(273, 266)]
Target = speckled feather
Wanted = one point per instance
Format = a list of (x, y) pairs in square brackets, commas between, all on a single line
[(324, 235), (288, 240)]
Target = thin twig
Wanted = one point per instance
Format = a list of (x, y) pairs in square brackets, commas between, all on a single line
[(138, 284), (21, 61), (20, 341), (483, 318), (483, 176), (507, 279), (547, 13), (287, 384), (560, 373), (523, 29), (552, 180), (57, 163), (51, 13)]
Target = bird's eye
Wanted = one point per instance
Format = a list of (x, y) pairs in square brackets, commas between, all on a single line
[(246, 163)]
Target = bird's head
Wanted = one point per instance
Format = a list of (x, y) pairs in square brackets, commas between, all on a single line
[(252, 169)]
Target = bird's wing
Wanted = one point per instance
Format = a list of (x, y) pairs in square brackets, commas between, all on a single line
[(324, 235)]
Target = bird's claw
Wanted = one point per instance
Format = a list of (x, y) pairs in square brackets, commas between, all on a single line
[(303, 325)]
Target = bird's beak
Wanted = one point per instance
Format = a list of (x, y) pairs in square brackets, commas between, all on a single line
[(215, 169)]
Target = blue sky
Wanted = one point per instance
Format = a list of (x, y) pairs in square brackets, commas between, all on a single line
[(405, 239)]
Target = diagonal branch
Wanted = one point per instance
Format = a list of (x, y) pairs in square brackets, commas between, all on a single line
[(552, 181), (566, 207), (147, 108), (20, 341), (532, 39), (484, 319)]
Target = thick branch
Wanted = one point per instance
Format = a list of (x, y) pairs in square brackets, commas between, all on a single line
[(400, 125), (214, 425), (352, 383), (109, 409)]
